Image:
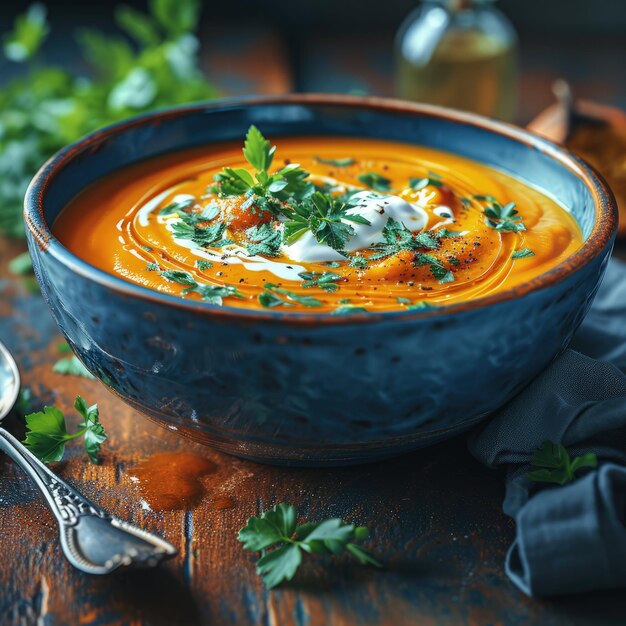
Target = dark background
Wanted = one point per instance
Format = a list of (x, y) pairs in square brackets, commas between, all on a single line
[(531, 17), (347, 45)]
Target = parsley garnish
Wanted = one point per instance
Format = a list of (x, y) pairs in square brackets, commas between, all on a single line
[(324, 216), (326, 280), (375, 181), (336, 162), (270, 300), (557, 466), (47, 432), (304, 300), (282, 541), (212, 294), (502, 218), (267, 240), (188, 228), (358, 261), (177, 207), (421, 183), (152, 267), (524, 253), (202, 264), (261, 187), (346, 309)]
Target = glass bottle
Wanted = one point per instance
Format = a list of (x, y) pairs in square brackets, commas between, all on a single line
[(461, 54)]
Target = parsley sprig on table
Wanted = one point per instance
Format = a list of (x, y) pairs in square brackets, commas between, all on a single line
[(47, 434), (282, 541), (152, 65), (556, 464), (325, 217)]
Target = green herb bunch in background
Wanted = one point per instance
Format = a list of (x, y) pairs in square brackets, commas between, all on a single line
[(151, 64)]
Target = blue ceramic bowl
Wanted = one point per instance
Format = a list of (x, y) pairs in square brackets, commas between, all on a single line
[(317, 389)]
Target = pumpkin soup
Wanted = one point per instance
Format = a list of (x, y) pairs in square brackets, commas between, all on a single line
[(322, 224)]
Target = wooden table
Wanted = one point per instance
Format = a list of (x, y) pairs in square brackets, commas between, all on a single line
[(435, 514)]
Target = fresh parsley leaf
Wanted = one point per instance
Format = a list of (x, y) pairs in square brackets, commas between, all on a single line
[(202, 264), (346, 309), (556, 465), (304, 300), (266, 240), (262, 188), (47, 434), (270, 300), (503, 218), (358, 261), (276, 534), (204, 237), (257, 150), (71, 366), (421, 306), (325, 280), (436, 267), (524, 253), (178, 276), (177, 207), (152, 267), (336, 162), (421, 183), (375, 181), (401, 300)]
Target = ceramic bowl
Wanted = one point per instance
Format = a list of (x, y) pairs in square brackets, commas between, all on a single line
[(315, 389)]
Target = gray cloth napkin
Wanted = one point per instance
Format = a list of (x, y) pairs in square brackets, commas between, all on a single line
[(569, 538)]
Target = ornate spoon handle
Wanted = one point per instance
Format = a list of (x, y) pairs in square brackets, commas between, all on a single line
[(92, 540)]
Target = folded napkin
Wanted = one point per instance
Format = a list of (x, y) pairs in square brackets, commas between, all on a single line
[(569, 538)]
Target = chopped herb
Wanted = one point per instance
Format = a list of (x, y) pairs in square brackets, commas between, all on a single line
[(443, 233), (187, 228), (304, 300), (466, 202), (336, 162), (503, 218), (177, 207), (358, 261), (421, 183), (47, 432), (403, 300), (421, 305), (261, 187), (212, 294), (146, 248), (333, 264), (556, 465), (202, 265), (453, 260), (326, 280), (178, 276), (282, 542), (435, 266), (325, 217), (346, 309), (152, 267), (523, 253), (270, 300), (344, 301), (375, 181), (266, 240)]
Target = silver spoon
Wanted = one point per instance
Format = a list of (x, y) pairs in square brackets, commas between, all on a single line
[(93, 541)]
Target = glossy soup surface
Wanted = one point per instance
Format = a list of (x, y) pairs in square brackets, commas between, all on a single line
[(399, 227)]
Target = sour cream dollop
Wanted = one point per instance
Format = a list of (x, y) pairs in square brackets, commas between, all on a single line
[(375, 207)]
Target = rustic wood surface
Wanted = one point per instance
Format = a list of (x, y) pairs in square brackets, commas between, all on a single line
[(435, 514)]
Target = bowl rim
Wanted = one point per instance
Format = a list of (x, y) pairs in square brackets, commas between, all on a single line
[(603, 231)]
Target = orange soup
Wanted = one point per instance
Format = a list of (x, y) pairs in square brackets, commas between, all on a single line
[(318, 225)]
